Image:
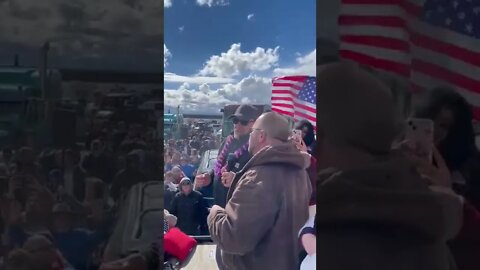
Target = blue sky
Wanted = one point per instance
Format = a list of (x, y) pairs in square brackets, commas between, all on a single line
[(227, 51)]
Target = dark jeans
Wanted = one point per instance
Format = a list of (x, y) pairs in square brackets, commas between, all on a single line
[(219, 192)]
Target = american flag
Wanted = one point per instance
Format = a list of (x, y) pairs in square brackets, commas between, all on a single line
[(295, 96), (430, 42)]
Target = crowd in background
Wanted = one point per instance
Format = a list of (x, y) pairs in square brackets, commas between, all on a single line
[(59, 206), (182, 159)]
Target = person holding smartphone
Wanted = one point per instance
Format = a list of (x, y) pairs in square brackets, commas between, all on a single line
[(371, 203), (297, 140), (455, 166), (307, 134)]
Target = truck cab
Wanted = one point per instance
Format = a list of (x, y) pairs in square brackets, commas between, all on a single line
[(22, 103)]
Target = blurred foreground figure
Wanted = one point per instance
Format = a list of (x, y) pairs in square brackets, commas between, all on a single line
[(374, 210)]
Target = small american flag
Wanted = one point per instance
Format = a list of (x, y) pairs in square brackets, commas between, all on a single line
[(295, 96), (429, 42)]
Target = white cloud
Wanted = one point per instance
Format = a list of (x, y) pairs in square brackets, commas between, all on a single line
[(175, 78), (234, 61), (211, 3), (306, 65), (167, 3), (250, 16), (20, 21), (166, 55), (203, 99), (181, 28)]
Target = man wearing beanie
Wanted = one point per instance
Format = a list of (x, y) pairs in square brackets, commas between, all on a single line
[(190, 208), (374, 211)]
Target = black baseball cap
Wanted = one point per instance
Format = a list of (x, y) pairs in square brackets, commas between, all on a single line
[(245, 113)]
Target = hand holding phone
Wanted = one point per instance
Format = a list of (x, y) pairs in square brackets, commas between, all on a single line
[(297, 134), (419, 138), (298, 140)]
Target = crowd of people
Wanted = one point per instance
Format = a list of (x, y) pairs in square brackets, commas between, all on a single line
[(182, 159), (290, 157), (379, 205), (59, 206)]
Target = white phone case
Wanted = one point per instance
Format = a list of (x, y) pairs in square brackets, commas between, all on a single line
[(419, 134)]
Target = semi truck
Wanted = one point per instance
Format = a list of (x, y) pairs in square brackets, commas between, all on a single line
[(174, 127), (23, 105)]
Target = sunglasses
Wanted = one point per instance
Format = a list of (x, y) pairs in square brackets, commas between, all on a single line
[(242, 122)]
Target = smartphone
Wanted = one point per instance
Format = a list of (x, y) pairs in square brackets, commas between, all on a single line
[(419, 135), (297, 135)]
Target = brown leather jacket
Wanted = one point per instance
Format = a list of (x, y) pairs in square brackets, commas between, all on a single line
[(267, 205)]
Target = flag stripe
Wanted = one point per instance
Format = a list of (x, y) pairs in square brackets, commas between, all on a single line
[(295, 105), (387, 65), (384, 42), (447, 75), (448, 49), (287, 85), (378, 52), (449, 63), (377, 20), (425, 81)]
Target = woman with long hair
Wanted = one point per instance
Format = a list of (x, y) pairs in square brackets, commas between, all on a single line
[(458, 155), (454, 138), (308, 134)]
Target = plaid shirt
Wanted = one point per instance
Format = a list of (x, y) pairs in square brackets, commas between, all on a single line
[(165, 226)]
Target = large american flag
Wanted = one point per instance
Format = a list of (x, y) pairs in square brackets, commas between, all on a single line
[(295, 96), (430, 42)]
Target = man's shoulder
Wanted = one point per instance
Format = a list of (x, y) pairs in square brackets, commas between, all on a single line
[(256, 174), (269, 168), (268, 174)]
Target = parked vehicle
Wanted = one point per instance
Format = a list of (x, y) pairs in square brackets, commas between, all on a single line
[(140, 220), (208, 160)]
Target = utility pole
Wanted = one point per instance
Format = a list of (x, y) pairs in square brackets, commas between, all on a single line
[(43, 75)]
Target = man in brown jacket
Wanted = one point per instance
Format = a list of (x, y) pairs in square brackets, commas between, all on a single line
[(266, 205)]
